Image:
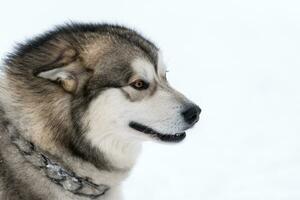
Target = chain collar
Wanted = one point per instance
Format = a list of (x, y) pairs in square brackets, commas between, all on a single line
[(55, 172)]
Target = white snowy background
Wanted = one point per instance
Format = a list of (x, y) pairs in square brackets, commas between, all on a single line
[(239, 60)]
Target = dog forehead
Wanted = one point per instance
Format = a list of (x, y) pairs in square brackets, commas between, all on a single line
[(145, 68), (161, 67), (142, 67)]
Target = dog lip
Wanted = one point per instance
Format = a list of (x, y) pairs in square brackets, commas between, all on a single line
[(163, 137)]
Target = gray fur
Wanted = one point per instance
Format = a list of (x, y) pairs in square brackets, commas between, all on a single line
[(47, 87), (93, 52)]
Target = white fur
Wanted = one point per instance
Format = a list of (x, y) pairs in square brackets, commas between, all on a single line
[(143, 69), (109, 115), (108, 129), (161, 66)]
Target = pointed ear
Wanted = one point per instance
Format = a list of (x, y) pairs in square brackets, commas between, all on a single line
[(66, 70), (61, 76)]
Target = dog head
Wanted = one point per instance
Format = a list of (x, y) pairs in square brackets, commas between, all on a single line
[(141, 104), (119, 87), (115, 81)]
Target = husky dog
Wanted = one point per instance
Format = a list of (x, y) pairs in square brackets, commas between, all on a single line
[(76, 104)]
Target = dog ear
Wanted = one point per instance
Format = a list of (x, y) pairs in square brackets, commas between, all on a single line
[(66, 79), (66, 70)]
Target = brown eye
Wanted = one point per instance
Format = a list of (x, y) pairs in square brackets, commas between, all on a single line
[(139, 85)]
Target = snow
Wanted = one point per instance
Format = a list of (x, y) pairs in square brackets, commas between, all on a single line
[(239, 60)]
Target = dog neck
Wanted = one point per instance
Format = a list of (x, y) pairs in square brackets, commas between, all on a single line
[(120, 152), (54, 170)]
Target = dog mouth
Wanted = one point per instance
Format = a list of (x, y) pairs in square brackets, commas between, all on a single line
[(163, 137)]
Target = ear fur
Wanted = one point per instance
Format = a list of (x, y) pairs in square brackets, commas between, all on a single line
[(66, 70), (64, 78)]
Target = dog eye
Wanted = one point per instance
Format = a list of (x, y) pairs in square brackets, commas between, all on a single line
[(139, 85)]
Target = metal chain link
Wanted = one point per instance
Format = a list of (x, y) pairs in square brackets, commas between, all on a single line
[(55, 172)]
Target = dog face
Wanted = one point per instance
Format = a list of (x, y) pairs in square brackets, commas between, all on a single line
[(119, 86), (140, 105)]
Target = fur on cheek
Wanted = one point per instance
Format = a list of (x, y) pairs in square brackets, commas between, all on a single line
[(109, 135)]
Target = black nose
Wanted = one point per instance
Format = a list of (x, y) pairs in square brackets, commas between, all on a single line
[(191, 114)]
